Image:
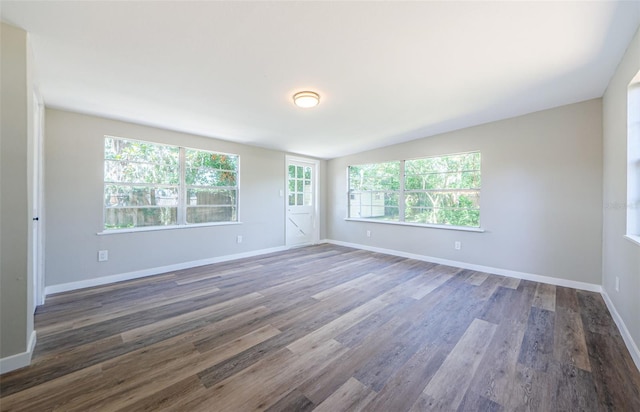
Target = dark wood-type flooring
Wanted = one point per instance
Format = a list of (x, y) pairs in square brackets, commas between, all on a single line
[(325, 328)]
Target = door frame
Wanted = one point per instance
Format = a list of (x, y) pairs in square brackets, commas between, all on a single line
[(37, 246), (316, 194)]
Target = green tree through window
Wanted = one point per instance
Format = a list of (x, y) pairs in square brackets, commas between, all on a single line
[(442, 190), (144, 186)]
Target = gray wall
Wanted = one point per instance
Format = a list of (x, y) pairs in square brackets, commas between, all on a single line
[(16, 317), (74, 197), (540, 200), (621, 257)]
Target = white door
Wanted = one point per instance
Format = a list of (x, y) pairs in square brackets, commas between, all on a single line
[(301, 201), (37, 263)]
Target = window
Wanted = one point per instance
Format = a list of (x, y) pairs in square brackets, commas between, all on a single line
[(443, 190), (300, 185), (148, 184), (375, 191)]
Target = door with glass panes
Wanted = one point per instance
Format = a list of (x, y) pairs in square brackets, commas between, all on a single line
[(300, 203)]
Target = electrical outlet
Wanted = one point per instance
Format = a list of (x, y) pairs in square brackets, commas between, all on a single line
[(617, 284), (103, 255), (368, 233), (239, 239), (457, 245)]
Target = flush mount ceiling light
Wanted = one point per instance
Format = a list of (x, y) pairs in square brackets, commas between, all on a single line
[(306, 99)]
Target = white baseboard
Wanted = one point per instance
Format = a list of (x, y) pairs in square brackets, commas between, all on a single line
[(592, 287), (19, 360), (66, 287), (622, 327)]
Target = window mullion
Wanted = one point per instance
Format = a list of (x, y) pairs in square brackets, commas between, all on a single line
[(182, 190), (401, 202)]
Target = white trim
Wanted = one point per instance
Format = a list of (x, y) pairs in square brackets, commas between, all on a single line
[(633, 239), (168, 227), (19, 360), (391, 222), (66, 287), (622, 327), (591, 287)]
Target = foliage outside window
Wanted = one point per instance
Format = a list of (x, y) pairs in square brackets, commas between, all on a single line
[(300, 185), (149, 184), (443, 190)]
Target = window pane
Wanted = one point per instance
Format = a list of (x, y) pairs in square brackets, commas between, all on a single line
[(307, 172), (210, 177), (122, 196), (292, 171), (300, 200), (120, 218), (211, 214), (128, 172), (299, 187), (210, 197), (137, 151), (205, 168), (292, 200), (379, 176)]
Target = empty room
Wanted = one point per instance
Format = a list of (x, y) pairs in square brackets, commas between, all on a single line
[(320, 205)]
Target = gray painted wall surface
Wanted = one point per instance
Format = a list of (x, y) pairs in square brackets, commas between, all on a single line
[(621, 257), (16, 323), (74, 198), (540, 202)]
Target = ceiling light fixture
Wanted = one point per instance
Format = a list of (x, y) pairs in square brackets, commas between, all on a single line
[(306, 99)]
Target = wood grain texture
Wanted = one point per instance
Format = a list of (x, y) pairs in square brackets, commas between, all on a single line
[(325, 328)]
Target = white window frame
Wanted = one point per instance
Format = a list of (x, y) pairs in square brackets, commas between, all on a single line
[(181, 218), (633, 161)]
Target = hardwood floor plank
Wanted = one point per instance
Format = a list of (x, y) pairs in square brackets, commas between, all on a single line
[(356, 334), (271, 381), (545, 297), (143, 380), (474, 402), (294, 401), (168, 397), (56, 392), (333, 328), (403, 389), (448, 386), (575, 389), (325, 327), (333, 375), (617, 389), (477, 278), (142, 331), (341, 287), (594, 316), (537, 345), (213, 375), (495, 377), (353, 396), (570, 345)]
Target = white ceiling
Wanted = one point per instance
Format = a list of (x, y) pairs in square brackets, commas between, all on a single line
[(387, 72)]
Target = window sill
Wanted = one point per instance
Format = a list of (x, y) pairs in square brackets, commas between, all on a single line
[(156, 228), (633, 239), (459, 228)]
